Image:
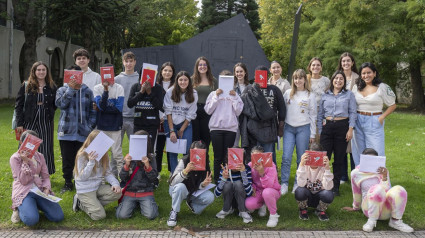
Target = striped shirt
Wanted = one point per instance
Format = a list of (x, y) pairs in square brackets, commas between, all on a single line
[(244, 176)]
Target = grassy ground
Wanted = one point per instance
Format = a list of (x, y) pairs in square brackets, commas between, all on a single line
[(405, 137)]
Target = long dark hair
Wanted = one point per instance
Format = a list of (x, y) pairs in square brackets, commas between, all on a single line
[(196, 77), (353, 67), (177, 92), (331, 87), (32, 79), (160, 78), (375, 82), (245, 79)]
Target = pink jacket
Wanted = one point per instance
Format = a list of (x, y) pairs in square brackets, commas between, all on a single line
[(224, 111), (25, 175), (269, 180)]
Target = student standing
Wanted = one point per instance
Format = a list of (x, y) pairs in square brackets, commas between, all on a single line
[(241, 81), (127, 79), (82, 59), (76, 121), (276, 78)]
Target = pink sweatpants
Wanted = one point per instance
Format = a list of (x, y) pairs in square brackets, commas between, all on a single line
[(269, 196)]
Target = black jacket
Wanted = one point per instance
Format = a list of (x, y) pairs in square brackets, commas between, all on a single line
[(142, 181), (26, 110), (146, 113)]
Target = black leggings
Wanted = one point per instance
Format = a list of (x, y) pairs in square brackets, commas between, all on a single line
[(221, 140), (303, 193)]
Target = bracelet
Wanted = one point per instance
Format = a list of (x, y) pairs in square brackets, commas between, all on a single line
[(172, 130)]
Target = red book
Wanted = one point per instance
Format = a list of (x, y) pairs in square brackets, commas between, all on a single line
[(316, 158), (107, 74), (18, 134), (30, 145), (261, 78), (148, 75), (161, 128), (234, 157), (68, 75), (198, 157), (265, 158)]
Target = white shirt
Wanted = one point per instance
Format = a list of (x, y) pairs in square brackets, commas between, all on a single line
[(319, 87), (375, 102)]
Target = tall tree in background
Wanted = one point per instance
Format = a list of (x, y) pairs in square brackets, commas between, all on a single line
[(216, 11)]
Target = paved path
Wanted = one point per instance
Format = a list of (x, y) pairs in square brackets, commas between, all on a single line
[(214, 233)]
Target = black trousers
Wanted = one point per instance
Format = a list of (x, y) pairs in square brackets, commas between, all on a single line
[(302, 194), (333, 141), (159, 152), (69, 151), (234, 193), (152, 134), (200, 128), (221, 140)]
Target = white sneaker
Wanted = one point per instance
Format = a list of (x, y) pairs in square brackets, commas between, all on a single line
[(283, 189), (400, 225), (172, 220), (370, 224), (341, 182), (15, 216), (222, 214), (246, 217), (273, 219), (262, 211), (294, 188)]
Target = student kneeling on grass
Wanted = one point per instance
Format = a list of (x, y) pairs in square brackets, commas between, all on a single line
[(185, 181), (92, 195), (315, 185), (141, 179), (266, 189), (236, 186)]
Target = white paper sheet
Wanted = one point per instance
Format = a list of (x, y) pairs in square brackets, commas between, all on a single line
[(100, 145), (201, 191), (138, 146), (179, 147), (225, 83), (370, 163), (41, 194)]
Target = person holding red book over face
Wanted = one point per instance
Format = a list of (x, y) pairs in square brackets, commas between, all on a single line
[(29, 171), (315, 185), (185, 181), (266, 189)]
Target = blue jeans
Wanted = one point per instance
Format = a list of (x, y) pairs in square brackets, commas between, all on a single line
[(269, 147), (148, 207), (179, 192), (187, 134), (293, 136), (369, 133), (28, 210)]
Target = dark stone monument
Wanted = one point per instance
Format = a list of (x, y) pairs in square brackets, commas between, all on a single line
[(224, 45)]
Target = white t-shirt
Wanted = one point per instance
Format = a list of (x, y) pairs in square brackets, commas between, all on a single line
[(319, 87), (301, 110), (375, 102)]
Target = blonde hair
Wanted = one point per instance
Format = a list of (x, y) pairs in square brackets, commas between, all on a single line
[(104, 161), (299, 73)]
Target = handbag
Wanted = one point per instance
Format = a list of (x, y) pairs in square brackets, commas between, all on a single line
[(128, 182), (14, 122)]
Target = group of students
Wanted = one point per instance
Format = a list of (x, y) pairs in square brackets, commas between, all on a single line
[(193, 107)]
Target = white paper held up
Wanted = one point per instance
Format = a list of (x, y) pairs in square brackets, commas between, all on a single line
[(201, 191), (370, 163), (41, 194), (138, 146), (100, 145), (225, 83), (179, 147)]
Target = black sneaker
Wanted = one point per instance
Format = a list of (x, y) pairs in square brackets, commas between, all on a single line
[(336, 192), (75, 203), (69, 186), (322, 215), (303, 214), (189, 204), (172, 220)]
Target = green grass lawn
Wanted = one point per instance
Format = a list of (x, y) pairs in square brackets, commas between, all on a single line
[(405, 137)]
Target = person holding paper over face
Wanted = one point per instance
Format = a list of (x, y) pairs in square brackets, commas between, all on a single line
[(314, 185), (335, 122), (235, 185), (266, 189), (89, 171), (180, 108), (140, 177), (28, 172), (224, 111), (373, 194), (185, 181)]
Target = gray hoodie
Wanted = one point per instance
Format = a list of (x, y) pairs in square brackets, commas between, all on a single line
[(126, 81)]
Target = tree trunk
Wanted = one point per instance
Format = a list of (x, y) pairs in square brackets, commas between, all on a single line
[(418, 102)]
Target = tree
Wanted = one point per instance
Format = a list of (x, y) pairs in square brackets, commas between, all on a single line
[(216, 11)]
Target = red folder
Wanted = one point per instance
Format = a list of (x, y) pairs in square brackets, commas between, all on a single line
[(261, 78), (316, 158), (148, 75), (234, 157), (107, 74), (265, 158), (18, 134), (68, 75), (198, 157), (30, 145)]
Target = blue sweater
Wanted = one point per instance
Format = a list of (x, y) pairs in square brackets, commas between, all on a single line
[(110, 105), (245, 176)]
